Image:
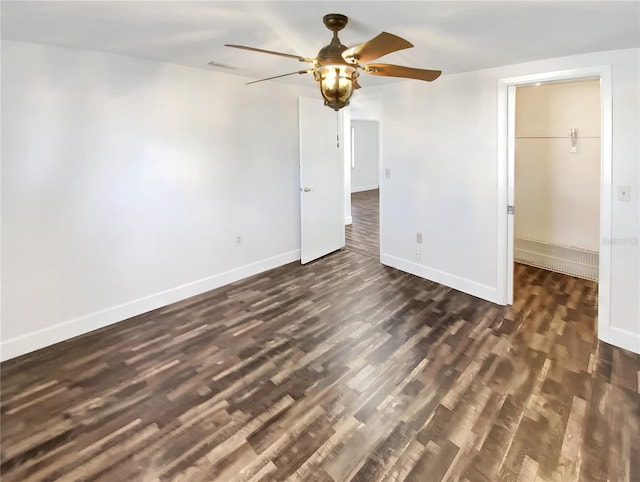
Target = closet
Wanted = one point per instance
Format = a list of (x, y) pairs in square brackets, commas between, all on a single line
[(557, 177)]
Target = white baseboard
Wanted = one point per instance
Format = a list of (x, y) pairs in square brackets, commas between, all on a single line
[(621, 338), (78, 326), (348, 220), (489, 293), (364, 188)]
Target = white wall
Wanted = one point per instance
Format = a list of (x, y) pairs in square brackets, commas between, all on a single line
[(125, 183), (366, 148), (366, 104), (557, 192), (440, 142)]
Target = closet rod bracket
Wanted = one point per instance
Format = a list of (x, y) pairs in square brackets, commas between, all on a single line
[(573, 136)]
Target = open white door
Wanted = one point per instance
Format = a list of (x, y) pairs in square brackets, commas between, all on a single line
[(321, 181)]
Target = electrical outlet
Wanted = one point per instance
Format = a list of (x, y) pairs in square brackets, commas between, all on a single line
[(238, 240), (419, 238), (418, 253), (387, 173)]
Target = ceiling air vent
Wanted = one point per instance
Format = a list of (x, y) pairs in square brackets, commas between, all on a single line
[(224, 65)]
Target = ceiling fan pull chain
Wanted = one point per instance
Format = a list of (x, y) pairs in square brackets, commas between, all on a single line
[(337, 129)]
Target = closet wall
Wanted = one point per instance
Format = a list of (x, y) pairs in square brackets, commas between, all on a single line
[(557, 190)]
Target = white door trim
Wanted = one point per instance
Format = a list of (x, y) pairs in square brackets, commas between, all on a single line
[(381, 178), (506, 162)]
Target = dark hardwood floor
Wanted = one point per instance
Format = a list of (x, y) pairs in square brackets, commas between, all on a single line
[(341, 369), (363, 235)]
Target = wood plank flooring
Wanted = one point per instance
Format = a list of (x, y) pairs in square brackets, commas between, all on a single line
[(338, 370), (362, 236)]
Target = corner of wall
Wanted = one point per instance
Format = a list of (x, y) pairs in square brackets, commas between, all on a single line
[(621, 338), (79, 326), (485, 292)]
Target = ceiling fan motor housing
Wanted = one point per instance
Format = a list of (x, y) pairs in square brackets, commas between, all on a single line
[(332, 54)]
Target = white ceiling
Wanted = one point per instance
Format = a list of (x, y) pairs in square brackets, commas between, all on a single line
[(452, 36)]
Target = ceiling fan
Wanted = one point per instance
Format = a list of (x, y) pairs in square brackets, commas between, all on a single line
[(336, 66)]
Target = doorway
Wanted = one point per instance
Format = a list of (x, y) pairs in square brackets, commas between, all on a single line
[(557, 177), (363, 234), (363, 168), (506, 180)]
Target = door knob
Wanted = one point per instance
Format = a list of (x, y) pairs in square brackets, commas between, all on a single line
[(306, 189)]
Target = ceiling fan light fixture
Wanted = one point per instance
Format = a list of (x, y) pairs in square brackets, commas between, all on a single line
[(336, 84)]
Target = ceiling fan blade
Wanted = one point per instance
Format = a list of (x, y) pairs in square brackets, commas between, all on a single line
[(291, 56), (387, 70), (383, 44), (278, 76)]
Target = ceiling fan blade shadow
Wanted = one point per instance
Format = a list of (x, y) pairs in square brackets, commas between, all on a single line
[(382, 44), (271, 52), (388, 70), (278, 76)]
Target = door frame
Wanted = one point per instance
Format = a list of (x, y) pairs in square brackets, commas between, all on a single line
[(506, 180)]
